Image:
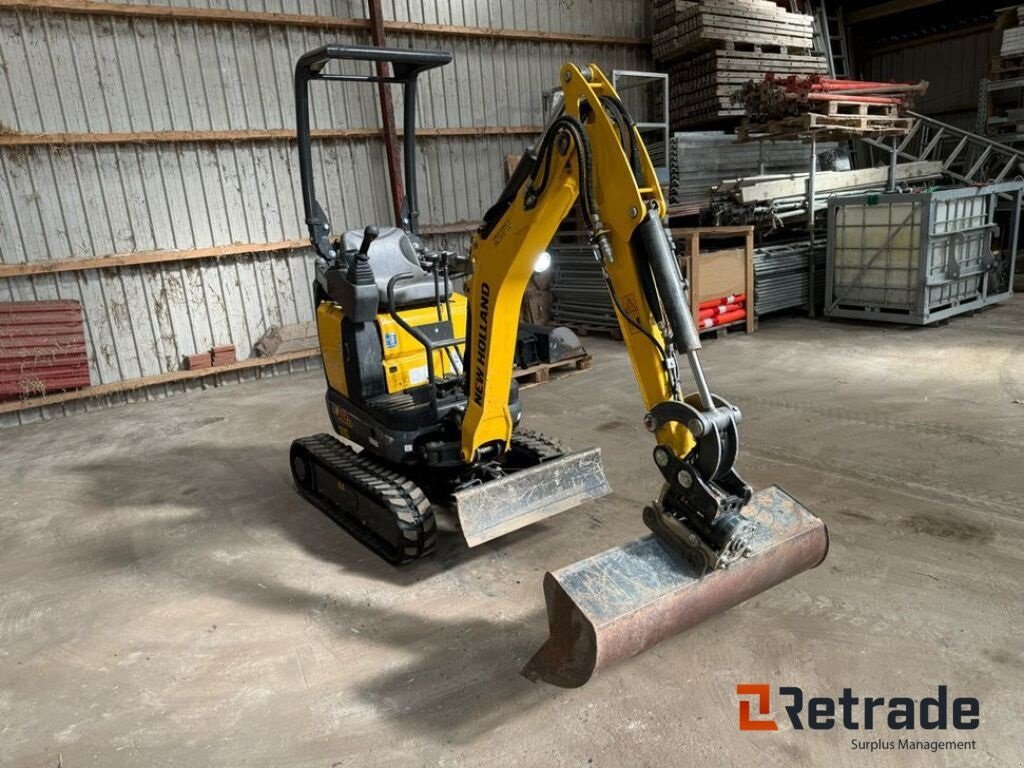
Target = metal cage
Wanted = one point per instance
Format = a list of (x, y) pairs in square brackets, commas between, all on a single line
[(919, 258)]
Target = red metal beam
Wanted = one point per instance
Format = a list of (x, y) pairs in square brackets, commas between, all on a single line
[(387, 113)]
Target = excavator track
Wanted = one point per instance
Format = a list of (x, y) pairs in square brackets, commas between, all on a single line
[(535, 447), (381, 508)]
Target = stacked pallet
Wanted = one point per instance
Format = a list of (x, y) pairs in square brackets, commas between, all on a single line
[(711, 48), (1013, 38), (700, 161), (1000, 110), (688, 27)]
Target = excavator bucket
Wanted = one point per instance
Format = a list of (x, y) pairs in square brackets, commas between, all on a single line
[(617, 604), (494, 508)]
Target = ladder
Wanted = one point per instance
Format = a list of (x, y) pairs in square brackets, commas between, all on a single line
[(830, 39), (966, 157)]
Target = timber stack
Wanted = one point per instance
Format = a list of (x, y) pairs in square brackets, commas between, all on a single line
[(711, 48)]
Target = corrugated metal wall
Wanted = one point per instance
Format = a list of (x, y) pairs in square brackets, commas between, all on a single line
[(953, 68), (100, 74)]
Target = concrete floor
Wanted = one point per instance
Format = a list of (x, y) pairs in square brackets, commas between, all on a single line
[(167, 599)]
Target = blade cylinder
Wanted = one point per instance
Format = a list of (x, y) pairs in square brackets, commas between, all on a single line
[(617, 604)]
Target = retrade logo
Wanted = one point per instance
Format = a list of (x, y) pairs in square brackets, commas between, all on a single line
[(755, 700), (852, 712)]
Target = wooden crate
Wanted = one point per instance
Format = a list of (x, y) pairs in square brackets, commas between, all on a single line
[(715, 270)]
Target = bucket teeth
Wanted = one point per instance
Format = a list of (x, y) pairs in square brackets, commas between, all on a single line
[(617, 604)]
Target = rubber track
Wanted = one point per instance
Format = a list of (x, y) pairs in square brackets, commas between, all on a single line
[(542, 448), (409, 508)]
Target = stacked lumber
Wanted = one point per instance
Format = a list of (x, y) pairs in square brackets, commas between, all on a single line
[(687, 28), (1013, 38), (710, 48), (1000, 113)]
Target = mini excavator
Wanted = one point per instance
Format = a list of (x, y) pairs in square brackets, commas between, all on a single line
[(419, 378)]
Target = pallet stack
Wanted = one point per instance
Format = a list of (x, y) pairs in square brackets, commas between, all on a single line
[(711, 48), (1012, 45)]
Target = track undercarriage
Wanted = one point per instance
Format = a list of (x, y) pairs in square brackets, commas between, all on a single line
[(390, 508)]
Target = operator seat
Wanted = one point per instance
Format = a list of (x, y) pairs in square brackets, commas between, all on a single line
[(393, 253)]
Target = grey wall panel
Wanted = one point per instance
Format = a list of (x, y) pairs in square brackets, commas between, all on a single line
[(952, 67), (84, 201), (80, 74), (597, 17), (125, 75), (94, 200)]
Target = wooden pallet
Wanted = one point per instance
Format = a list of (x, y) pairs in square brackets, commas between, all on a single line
[(543, 372), (766, 49), (828, 126), (860, 108), (721, 331)]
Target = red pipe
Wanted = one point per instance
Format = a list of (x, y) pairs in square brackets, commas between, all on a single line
[(730, 317), (855, 99), (731, 299)]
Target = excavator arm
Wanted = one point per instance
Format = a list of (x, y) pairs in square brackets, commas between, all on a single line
[(592, 152), (715, 543)]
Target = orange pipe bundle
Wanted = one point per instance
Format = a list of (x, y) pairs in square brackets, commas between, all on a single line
[(739, 298), (724, 319), (721, 309)]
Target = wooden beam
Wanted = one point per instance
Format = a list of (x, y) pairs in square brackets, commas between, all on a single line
[(224, 16), (794, 185), (172, 377), (138, 258), (270, 134), (883, 10)]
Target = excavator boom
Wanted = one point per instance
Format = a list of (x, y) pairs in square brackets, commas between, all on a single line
[(715, 542)]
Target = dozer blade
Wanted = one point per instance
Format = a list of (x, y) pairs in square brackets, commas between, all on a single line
[(619, 603), (497, 507)]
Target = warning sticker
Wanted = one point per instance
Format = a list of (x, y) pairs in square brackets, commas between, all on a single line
[(418, 375)]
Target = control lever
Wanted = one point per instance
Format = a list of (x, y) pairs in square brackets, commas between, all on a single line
[(370, 234), (359, 271)]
